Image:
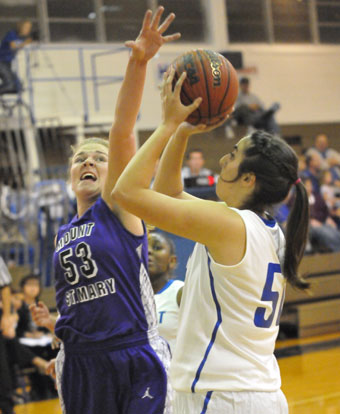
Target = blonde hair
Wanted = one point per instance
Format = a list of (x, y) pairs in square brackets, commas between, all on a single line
[(93, 140)]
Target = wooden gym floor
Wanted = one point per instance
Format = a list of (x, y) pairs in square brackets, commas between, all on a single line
[(310, 379)]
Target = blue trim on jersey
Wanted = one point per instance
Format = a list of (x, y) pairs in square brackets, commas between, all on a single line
[(168, 284), (268, 222), (206, 402), (213, 336)]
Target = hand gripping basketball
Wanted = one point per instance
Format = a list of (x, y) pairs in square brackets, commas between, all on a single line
[(174, 112)]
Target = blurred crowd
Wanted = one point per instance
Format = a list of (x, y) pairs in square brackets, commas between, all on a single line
[(25, 349), (319, 169)]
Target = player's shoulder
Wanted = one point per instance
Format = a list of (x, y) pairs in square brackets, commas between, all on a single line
[(177, 284), (172, 286)]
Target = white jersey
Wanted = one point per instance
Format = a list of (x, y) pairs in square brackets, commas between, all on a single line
[(229, 316), (167, 311)]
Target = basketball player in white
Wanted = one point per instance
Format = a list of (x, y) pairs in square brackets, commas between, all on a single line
[(168, 291), (236, 276)]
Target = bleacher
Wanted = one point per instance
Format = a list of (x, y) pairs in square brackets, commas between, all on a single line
[(317, 311)]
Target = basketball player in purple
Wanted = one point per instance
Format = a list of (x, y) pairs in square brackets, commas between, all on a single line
[(112, 359)]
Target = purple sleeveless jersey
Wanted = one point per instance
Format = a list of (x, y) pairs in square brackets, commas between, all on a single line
[(102, 286)]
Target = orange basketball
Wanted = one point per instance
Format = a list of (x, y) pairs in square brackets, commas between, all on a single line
[(209, 76)]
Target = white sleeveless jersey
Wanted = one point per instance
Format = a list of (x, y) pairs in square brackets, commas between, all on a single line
[(167, 311), (229, 316)]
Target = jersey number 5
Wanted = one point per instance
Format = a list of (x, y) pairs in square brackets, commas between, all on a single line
[(88, 268), (269, 296)]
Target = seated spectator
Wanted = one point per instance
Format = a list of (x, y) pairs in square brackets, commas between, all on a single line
[(6, 332), (12, 353), (312, 170), (36, 338), (13, 41), (282, 211), (30, 290), (250, 111), (168, 291), (302, 165), (323, 231), (195, 165), (330, 158), (331, 195)]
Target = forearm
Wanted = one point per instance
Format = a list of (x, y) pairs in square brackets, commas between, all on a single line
[(129, 99), (122, 145), (51, 325), (169, 177), (6, 300), (16, 46), (130, 183)]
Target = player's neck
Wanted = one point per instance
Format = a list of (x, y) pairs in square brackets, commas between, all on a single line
[(160, 282), (84, 205)]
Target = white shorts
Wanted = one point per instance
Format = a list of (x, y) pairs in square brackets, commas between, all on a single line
[(245, 402)]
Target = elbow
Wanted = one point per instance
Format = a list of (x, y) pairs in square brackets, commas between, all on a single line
[(123, 198), (118, 195)]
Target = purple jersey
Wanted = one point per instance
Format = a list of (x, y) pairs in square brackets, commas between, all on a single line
[(102, 286)]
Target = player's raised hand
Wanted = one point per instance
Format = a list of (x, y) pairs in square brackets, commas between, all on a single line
[(174, 112), (151, 38)]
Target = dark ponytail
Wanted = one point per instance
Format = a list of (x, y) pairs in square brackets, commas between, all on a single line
[(296, 237), (275, 166)]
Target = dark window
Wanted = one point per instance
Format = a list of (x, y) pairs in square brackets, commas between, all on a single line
[(291, 21), (70, 8), (329, 21), (329, 14), (72, 32), (123, 18), (246, 21), (189, 21), (71, 20), (329, 34), (11, 8)]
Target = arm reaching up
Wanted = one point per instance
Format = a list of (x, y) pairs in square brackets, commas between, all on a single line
[(122, 144)]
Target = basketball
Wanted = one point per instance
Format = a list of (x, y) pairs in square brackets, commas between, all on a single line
[(209, 76)]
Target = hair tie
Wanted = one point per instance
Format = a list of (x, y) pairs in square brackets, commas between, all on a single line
[(297, 181)]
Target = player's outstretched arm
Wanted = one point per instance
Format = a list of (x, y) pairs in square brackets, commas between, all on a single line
[(122, 141)]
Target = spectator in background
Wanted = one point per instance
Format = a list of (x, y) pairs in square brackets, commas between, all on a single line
[(302, 165), (250, 111), (331, 195), (195, 165), (323, 231), (30, 287), (13, 41), (329, 157), (282, 211), (312, 170), (168, 291), (6, 331), (40, 345)]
